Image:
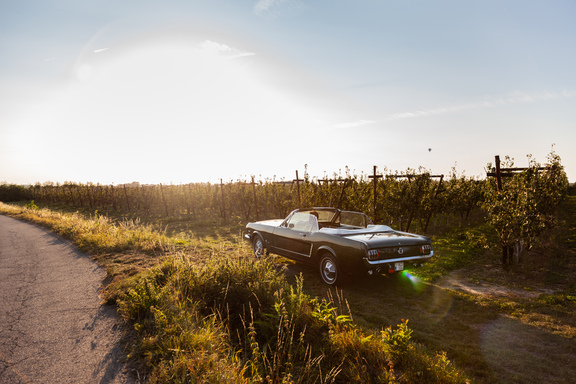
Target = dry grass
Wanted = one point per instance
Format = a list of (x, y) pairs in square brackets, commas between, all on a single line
[(526, 335), (514, 326), (206, 312)]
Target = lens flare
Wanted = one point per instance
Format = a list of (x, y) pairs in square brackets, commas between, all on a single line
[(414, 280), (441, 301)]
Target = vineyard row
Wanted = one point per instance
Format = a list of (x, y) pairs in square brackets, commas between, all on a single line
[(404, 200)]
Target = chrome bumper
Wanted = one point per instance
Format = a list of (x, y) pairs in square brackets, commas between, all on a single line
[(377, 263)]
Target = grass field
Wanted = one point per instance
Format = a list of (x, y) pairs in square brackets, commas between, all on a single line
[(462, 318)]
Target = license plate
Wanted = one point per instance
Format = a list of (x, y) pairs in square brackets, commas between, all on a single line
[(399, 266)]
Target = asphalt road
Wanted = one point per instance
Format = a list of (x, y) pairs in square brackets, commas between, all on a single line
[(53, 328)]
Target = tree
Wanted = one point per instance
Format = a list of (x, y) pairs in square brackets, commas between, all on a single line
[(13, 192), (526, 206)]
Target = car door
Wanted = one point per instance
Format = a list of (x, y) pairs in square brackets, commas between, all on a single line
[(294, 238)]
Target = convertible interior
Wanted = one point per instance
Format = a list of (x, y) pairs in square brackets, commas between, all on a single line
[(311, 220)]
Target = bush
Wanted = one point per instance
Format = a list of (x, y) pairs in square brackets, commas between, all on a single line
[(239, 320), (32, 205), (526, 206), (13, 192)]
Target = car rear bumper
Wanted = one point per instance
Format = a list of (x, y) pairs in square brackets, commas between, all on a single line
[(388, 265)]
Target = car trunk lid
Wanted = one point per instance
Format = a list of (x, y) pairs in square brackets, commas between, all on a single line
[(387, 239)]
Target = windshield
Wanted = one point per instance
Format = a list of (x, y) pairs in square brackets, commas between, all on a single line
[(354, 219), (331, 217), (324, 215)]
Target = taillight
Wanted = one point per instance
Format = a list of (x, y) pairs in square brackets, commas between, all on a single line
[(373, 254), (425, 249)]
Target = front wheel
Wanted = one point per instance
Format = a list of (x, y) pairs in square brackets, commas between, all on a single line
[(329, 270), (258, 246)]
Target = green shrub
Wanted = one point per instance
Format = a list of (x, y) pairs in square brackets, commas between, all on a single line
[(235, 320), (526, 205), (32, 205), (13, 192)]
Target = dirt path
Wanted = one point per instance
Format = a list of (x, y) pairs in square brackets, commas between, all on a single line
[(457, 281), (53, 328)]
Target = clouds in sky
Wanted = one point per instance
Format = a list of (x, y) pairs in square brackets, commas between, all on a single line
[(233, 80), (516, 97), (223, 49), (356, 124), (263, 6), (165, 109)]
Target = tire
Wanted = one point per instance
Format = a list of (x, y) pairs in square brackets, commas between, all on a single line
[(258, 247), (329, 270)]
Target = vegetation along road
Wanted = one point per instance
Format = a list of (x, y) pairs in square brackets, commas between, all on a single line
[(497, 303), (53, 328)]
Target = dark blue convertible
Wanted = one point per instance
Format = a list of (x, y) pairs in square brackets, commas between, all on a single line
[(341, 243)]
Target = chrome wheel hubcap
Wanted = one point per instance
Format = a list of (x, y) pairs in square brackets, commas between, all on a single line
[(329, 271), (258, 248)]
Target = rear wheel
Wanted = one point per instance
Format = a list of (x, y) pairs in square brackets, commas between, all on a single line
[(329, 270), (258, 247)]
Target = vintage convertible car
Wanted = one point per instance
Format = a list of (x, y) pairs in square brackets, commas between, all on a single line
[(341, 243)]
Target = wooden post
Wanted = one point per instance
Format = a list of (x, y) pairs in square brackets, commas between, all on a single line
[(297, 180), (127, 200), (435, 196), (342, 193), (100, 203), (345, 181), (113, 196), (189, 200), (411, 216), (374, 178), (72, 199), (65, 194), (79, 193), (321, 193), (145, 200), (90, 194), (498, 173), (164, 200), (223, 203), (255, 201)]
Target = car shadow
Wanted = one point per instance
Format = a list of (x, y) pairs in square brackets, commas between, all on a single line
[(397, 283)]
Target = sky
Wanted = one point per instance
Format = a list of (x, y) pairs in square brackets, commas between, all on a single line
[(180, 91)]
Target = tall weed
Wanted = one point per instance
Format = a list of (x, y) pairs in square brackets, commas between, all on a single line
[(237, 320), (248, 320)]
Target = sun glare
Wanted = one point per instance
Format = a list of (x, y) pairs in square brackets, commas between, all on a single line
[(172, 111)]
